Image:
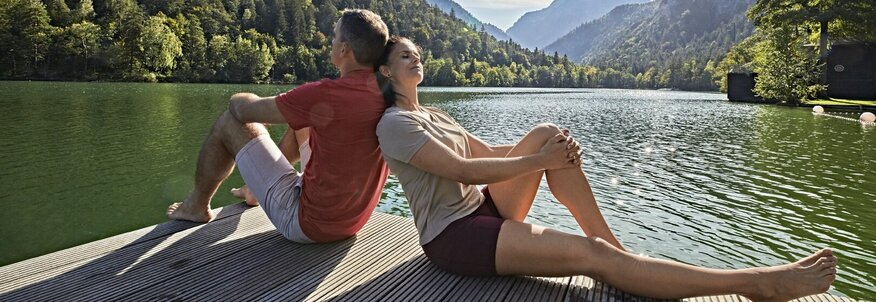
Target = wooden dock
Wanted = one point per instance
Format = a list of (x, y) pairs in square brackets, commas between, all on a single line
[(240, 257)]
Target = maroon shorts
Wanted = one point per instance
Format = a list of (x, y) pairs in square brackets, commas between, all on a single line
[(468, 245)]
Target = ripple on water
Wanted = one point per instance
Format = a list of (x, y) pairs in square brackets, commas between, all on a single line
[(684, 176), (707, 182)]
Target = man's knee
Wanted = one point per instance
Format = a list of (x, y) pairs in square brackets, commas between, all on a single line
[(235, 134), (230, 126)]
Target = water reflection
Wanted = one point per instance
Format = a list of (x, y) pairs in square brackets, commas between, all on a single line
[(689, 177), (684, 176)]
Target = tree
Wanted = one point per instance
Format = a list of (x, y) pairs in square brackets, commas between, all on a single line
[(26, 36), (85, 11), (795, 14), (193, 64), (788, 72), (79, 40), (59, 12), (159, 46), (738, 59)]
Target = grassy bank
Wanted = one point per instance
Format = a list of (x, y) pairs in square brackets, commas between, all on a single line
[(841, 102)]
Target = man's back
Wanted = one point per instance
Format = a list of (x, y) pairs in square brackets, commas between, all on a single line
[(346, 173)]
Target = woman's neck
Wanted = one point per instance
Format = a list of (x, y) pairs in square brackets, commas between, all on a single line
[(407, 98)]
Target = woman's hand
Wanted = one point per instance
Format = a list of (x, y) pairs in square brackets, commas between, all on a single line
[(560, 152), (574, 149)]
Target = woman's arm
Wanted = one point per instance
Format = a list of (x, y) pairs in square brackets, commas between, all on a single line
[(436, 158), (480, 148)]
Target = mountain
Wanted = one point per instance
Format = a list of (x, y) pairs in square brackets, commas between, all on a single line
[(451, 7), (679, 35), (540, 28)]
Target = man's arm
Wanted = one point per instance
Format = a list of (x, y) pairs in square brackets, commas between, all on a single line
[(250, 108), (289, 146)]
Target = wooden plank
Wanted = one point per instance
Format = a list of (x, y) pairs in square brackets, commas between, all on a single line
[(482, 289), (360, 256), (239, 256), (532, 288), (370, 265), (29, 267), (251, 271), (578, 289), (305, 269), (178, 253), (382, 276), (383, 284), (428, 284), (68, 278)]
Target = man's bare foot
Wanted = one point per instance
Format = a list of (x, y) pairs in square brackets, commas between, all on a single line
[(245, 194), (808, 276), (184, 211)]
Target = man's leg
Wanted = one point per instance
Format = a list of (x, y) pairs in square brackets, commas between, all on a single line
[(292, 146), (524, 249), (215, 163)]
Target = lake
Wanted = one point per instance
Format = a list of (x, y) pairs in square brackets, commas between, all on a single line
[(679, 175)]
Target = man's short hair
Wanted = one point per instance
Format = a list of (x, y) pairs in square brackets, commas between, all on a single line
[(365, 32)]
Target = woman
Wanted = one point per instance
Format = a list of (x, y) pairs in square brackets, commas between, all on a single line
[(465, 231)]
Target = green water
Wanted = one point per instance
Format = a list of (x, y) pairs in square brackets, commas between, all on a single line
[(684, 176)]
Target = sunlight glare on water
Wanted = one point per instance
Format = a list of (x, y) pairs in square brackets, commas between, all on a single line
[(678, 175)]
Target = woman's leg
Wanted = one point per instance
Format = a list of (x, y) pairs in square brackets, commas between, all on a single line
[(513, 198), (524, 249)]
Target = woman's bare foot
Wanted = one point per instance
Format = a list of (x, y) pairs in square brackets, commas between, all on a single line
[(808, 276), (245, 194), (184, 211)]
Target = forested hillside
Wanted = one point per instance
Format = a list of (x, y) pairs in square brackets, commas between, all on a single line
[(665, 43), (454, 9), (539, 28), (253, 41)]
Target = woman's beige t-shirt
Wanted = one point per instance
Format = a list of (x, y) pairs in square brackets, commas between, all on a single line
[(435, 201)]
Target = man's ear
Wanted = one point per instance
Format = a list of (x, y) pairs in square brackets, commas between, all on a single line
[(345, 48)]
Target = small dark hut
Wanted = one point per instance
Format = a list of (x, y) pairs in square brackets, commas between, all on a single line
[(740, 86), (851, 71)]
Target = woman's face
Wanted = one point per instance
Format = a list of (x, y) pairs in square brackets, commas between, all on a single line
[(403, 66)]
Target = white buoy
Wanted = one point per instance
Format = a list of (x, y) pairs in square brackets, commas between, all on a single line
[(818, 110), (868, 117)]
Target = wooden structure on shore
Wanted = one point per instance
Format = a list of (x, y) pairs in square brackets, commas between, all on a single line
[(240, 257)]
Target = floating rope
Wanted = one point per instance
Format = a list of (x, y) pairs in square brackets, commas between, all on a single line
[(819, 111)]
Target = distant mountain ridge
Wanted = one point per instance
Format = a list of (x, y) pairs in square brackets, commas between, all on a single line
[(542, 27), (690, 35), (461, 13)]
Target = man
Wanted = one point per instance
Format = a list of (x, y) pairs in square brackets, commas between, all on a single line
[(344, 177)]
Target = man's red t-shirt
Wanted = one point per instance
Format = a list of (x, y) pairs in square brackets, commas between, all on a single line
[(344, 179)]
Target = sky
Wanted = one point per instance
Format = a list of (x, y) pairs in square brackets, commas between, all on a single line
[(502, 13)]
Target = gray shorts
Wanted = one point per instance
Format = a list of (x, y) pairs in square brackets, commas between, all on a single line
[(274, 183)]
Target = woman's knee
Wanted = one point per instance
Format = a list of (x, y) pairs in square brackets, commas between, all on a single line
[(545, 131), (597, 257)]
